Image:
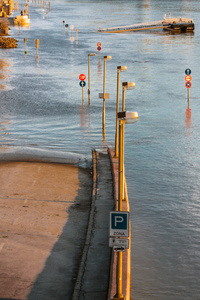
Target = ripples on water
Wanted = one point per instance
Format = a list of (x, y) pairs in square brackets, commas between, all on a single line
[(41, 108)]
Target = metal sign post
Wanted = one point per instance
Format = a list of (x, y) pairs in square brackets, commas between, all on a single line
[(25, 41), (37, 41), (188, 83), (99, 48), (119, 227), (82, 83)]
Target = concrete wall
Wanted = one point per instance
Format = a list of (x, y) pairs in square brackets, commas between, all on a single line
[(126, 257)]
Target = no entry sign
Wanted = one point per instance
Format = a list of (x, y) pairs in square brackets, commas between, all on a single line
[(82, 77)]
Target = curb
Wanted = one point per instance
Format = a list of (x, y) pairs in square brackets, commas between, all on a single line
[(77, 287)]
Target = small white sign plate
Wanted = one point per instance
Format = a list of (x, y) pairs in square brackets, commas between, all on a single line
[(107, 95), (118, 242), (119, 248)]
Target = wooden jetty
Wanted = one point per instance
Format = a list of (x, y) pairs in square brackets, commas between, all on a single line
[(176, 24)]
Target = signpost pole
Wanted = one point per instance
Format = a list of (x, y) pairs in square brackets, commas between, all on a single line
[(91, 54), (120, 166), (188, 83), (88, 79), (82, 83), (37, 46), (104, 100), (82, 94), (99, 49), (117, 107), (25, 41)]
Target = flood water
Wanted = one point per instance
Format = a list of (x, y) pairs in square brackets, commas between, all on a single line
[(41, 108)]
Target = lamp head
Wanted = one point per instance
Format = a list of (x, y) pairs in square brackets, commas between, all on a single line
[(128, 117), (107, 57), (128, 85), (92, 54), (122, 68)]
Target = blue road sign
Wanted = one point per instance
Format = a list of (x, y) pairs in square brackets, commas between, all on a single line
[(119, 223), (188, 71), (82, 83)]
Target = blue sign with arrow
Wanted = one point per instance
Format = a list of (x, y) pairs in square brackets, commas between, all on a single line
[(82, 83)]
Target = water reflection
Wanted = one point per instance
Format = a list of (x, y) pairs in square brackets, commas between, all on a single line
[(188, 117), (82, 114), (145, 4), (99, 70), (3, 134), (85, 117), (4, 70)]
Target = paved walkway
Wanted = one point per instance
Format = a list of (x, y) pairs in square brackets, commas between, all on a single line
[(44, 212), (48, 250)]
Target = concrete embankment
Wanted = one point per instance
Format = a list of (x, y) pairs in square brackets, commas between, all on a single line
[(54, 235)]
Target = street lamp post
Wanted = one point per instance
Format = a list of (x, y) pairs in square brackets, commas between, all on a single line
[(124, 117), (119, 69), (104, 94), (91, 54), (126, 86)]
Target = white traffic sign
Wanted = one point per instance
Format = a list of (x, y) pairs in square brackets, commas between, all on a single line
[(107, 95), (118, 242), (119, 223), (119, 248)]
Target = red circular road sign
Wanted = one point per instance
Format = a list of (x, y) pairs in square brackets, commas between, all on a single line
[(82, 77), (188, 84), (98, 44), (99, 48), (188, 78)]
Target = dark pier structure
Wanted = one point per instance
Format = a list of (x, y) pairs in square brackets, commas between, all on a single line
[(176, 25)]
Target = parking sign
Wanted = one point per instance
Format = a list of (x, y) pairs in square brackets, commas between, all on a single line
[(119, 223)]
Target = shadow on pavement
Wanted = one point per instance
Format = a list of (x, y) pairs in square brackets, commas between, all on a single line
[(56, 281)]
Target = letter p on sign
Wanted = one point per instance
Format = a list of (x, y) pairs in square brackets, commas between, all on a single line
[(118, 219)]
